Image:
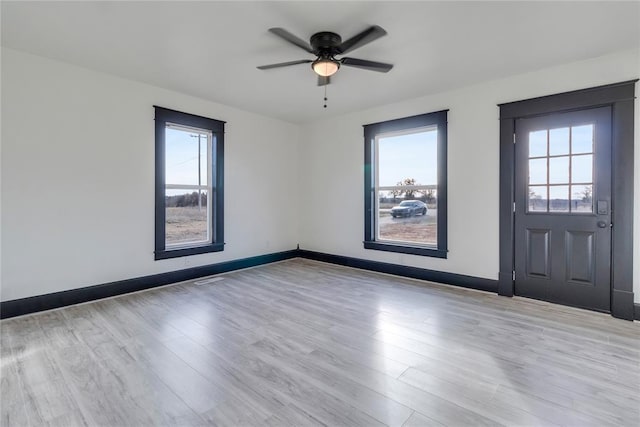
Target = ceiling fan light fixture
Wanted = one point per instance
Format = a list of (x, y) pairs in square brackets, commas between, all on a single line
[(325, 67)]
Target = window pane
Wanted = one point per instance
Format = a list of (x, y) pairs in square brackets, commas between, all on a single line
[(538, 143), (581, 198), (182, 157), (538, 198), (186, 217), (582, 139), (412, 158), (582, 169), (558, 141), (203, 159), (559, 170), (404, 220), (538, 171), (559, 198)]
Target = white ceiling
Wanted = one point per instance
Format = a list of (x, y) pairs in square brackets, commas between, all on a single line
[(211, 49)]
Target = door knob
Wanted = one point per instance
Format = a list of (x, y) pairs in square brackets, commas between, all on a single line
[(602, 224)]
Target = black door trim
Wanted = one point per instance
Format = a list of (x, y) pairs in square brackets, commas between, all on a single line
[(620, 96)]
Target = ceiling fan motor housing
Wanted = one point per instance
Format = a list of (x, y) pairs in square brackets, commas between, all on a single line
[(325, 43)]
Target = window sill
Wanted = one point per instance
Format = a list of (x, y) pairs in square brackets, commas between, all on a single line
[(176, 253), (412, 250)]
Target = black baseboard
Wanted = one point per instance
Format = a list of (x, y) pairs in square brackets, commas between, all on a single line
[(37, 303), (75, 296), (636, 311), (472, 282)]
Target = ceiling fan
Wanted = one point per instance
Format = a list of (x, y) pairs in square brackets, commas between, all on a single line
[(326, 46)]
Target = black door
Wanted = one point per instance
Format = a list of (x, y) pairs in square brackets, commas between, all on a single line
[(562, 208)]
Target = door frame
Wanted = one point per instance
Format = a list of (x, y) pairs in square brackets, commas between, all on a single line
[(620, 97)]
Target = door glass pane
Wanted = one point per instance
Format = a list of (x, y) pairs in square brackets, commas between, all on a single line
[(582, 139), (538, 198), (582, 169), (559, 198), (558, 141), (538, 171), (581, 198), (538, 143), (559, 170)]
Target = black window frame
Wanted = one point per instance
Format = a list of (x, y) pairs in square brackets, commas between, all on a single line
[(371, 131), (216, 127)]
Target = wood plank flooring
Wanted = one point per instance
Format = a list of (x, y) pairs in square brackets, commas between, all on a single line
[(302, 343)]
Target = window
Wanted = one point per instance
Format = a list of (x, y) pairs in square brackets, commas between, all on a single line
[(561, 170), (189, 190), (406, 185)]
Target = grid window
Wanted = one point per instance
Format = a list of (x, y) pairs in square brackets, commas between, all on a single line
[(561, 170)]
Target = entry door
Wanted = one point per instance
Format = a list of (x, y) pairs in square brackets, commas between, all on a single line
[(563, 208)]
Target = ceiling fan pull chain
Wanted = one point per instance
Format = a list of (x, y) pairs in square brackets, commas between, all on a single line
[(325, 96)]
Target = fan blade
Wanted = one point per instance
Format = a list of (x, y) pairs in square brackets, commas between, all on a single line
[(283, 64), (381, 67), (323, 81), (359, 40), (282, 33)]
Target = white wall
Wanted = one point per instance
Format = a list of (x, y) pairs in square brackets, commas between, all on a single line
[(77, 174), (78, 178), (331, 186)]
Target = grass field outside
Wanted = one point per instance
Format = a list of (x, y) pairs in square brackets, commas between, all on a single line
[(185, 224), (189, 224), (420, 229)]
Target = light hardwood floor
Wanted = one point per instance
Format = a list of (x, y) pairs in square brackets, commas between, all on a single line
[(306, 343)]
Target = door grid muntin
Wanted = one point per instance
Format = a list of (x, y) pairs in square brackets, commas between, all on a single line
[(562, 173)]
